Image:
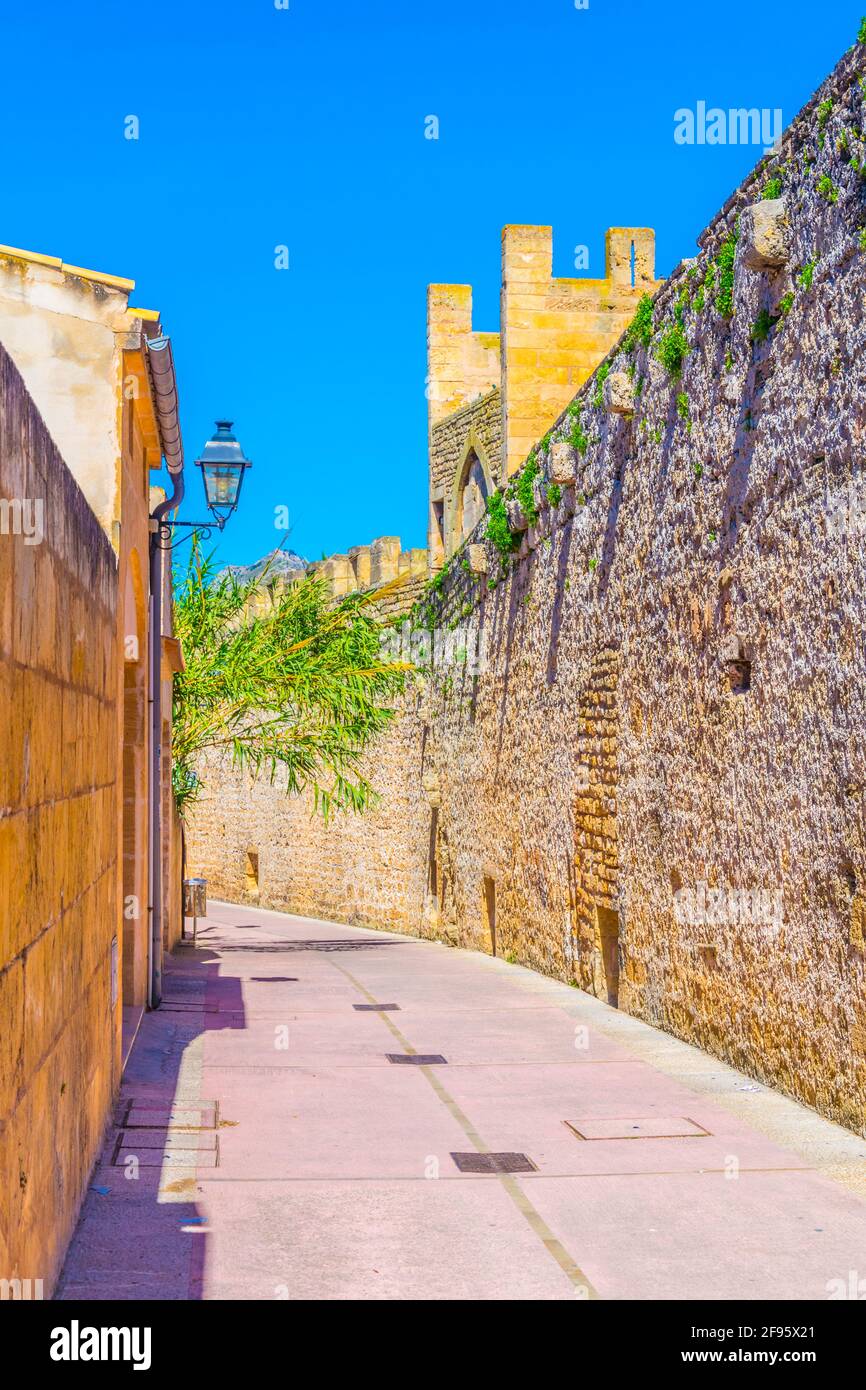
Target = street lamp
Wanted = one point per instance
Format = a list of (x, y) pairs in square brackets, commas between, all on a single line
[(222, 465)]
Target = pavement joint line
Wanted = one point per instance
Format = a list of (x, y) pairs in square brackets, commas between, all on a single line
[(534, 1219), (340, 1010), (485, 1177), (316, 1061)]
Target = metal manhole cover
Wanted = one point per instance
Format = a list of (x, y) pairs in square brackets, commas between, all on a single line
[(494, 1163), (416, 1059), (376, 1008), (652, 1127)]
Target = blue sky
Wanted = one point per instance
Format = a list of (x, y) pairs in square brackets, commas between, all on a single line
[(304, 127)]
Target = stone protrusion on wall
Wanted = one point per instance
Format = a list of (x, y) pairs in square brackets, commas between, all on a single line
[(430, 785), (517, 521), (562, 463), (476, 556), (765, 235), (619, 394)]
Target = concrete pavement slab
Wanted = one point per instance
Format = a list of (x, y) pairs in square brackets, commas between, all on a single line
[(278, 1155)]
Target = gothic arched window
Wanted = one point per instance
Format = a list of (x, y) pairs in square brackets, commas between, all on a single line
[(472, 496)]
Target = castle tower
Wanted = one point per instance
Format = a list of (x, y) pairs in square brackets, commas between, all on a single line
[(491, 396)]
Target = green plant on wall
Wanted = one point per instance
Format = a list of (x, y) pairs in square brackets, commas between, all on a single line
[(640, 330), (498, 530), (523, 489), (827, 189), (672, 351), (578, 439), (763, 326), (725, 277), (601, 377), (683, 303)]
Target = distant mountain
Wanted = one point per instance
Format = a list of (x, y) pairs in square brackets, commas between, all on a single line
[(284, 562)]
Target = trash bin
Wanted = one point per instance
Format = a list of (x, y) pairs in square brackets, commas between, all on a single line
[(194, 902)]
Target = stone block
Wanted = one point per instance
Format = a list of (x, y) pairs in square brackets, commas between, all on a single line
[(359, 555), (430, 785), (562, 467), (765, 235), (384, 559), (619, 394), (477, 557), (516, 518)]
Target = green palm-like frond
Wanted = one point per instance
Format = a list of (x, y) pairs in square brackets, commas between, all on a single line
[(283, 679)]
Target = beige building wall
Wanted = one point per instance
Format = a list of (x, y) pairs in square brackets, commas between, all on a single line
[(74, 834), (63, 327), (81, 351), (59, 849)]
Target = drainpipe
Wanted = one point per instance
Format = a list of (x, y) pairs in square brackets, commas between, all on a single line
[(162, 375)]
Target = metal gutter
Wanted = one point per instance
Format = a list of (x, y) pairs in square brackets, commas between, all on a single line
[(160, 360)]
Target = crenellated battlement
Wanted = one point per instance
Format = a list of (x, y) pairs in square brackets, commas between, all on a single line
[(372, 566)]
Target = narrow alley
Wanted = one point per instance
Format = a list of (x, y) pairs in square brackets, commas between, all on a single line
[(326, 1112)]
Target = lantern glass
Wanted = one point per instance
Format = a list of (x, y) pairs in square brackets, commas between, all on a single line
[(222, 484)]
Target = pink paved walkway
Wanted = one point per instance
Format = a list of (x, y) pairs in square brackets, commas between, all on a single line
[(274, 1152)]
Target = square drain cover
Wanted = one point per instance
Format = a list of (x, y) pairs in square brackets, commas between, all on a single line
[(376, 1008), (494, 1163), (416, 1059), (145, 1113), (654, 1127)]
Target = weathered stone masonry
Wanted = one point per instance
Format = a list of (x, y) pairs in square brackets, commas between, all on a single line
[(59, 866), (656, 788)]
